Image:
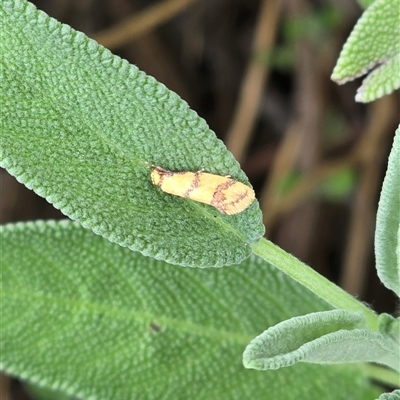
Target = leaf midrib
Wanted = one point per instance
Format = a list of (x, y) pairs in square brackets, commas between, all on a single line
[(124, 314)]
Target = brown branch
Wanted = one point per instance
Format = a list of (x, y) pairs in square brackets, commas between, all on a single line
[(141, 23), (238, 136)]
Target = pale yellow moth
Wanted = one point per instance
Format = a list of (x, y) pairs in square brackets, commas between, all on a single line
[(222, 192)]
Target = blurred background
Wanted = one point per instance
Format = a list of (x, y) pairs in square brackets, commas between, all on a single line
[(258, 71)]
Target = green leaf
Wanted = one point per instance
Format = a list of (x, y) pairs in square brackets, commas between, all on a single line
[(374, 42), (390, 327), (82, 128), (395, 395), (90, 318), (387, 233), (336, 336), (381, 81)]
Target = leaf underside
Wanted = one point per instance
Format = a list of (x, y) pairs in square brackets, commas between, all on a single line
[(326, 337)]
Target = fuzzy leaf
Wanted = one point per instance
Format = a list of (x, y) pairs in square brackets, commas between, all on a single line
[(395, 395), (95, 320), (336, 336), (390, 327), (387, 233), (381, 81), (374, 42), (82, 128)]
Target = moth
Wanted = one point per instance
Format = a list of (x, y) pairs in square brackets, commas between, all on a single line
[(227, 195)]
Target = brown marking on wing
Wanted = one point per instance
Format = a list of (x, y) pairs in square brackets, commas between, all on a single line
[(194, 185), (218, 199), (160, 183), (239, 197), (230, 203), (162, 173)]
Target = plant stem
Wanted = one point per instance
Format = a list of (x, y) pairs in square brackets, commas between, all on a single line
[(312, 280), (384, 375)]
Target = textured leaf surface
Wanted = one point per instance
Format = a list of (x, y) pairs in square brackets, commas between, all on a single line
[(82, 128), (387, 233), (91, 318), (381, 81), (336, 336), (374, 42), (395, 395), (390, 327)]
